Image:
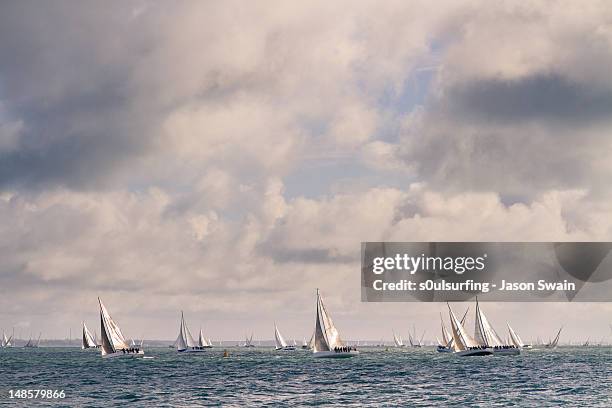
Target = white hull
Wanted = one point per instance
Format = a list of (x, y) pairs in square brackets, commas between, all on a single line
[(444, 350), (286, 348), (334, 354), (527, 347), (507, 352), (475, 352), (120, 354)]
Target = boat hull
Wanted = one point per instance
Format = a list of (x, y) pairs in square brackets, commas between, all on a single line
[(287, 348), (444, 350), (507, 352), (119, 354), (334, 354), (189, 351), (475, 352)]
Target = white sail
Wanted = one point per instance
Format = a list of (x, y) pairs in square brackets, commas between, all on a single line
[(446, 336), (311, 341), (484, 334), (398, 340), (461, 339), (326, 335), (514, 338), (184, 340), (203, 341), (112, 338), (132, 342), (278, 338), (87, 340), (5, 340)]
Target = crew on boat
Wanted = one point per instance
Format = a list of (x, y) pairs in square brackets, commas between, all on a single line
[(344, 349)]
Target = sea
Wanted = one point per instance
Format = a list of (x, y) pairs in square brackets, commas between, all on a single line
[(389, 377)]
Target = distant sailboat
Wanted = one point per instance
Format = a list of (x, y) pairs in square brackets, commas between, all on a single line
[(516, 340), (249, 341), (33, 344), (204, 342), (446, 345), (185, 342), (327, 342), (399, 342), (6, 342), (113, 342), (87, 340), (280, 342), (304, 344), (553, 344), (487, 337), (463, 343)]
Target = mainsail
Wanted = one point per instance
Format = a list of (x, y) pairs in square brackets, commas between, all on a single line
[(461, 339), (326, 335), (446, 336), (484, 334), (514, 338), (184, 340), (112, 338), (278, 338), (87, 341)]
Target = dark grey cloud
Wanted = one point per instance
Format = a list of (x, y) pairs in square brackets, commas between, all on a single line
[(546, 97), (517, 137), (62, 74)]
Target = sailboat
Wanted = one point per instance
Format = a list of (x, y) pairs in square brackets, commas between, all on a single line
[(399, 342), (113, 342), (6, 342), (185, 342), (553, 344), (487, 337), (327, 342), (304, 344), (204, 342), (248, 341), (87, 340), (446, 345), (33, 344), (516, 340), (281, 344), (463, 343)]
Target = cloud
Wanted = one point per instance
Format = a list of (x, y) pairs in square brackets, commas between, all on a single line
[(146, 149)]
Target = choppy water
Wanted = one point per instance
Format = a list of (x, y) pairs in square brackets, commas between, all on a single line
[(256, 377)]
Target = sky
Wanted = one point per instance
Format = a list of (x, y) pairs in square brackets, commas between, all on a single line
[(227, 158)]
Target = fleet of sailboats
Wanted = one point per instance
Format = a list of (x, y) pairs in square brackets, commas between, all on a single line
[(325, 341), (185, 342)]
